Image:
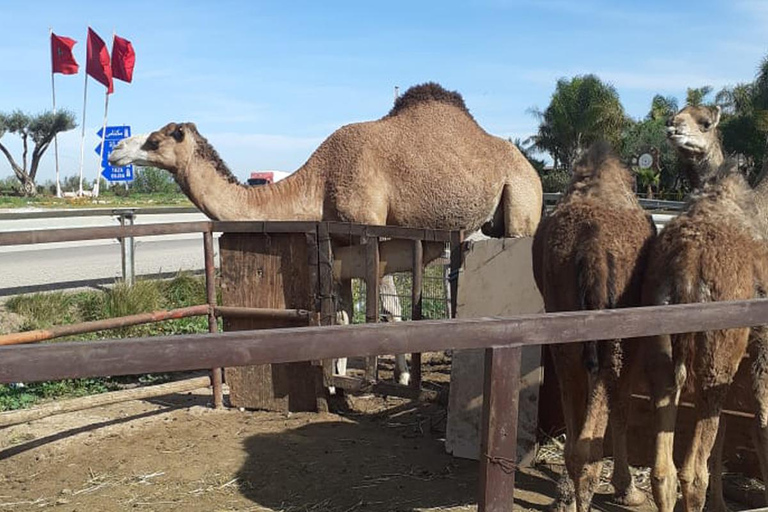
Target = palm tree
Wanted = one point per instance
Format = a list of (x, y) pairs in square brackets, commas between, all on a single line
[(581, 111), (662, 107)]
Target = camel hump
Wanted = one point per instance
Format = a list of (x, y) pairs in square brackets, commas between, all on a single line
[(427, 92)]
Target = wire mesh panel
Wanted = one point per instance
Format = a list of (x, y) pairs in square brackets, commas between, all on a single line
[(435, 303)]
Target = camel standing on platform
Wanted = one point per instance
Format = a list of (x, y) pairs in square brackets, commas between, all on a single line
[(426, 164), (714, 251), (590, 253)]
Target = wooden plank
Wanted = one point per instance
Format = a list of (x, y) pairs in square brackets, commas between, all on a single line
[(388, 389), (88, 402), (269, 271), (98, 233), (298, 316), (416, 306), (498, 452), (325, 290), (432, 235), (250, 226), (372, 300), (30, 363), (213, 323)]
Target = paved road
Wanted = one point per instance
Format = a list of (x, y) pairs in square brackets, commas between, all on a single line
[(31, 268)]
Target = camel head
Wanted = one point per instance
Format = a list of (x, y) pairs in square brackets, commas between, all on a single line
[(169, 148), (692, 131)]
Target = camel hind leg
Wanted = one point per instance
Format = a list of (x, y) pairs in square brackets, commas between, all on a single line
[(625, 491), (522, 202), (758, 350)]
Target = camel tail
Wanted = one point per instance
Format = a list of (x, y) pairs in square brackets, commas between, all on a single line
[(596, 285)]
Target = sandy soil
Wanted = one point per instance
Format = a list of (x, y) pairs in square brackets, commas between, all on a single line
[(176, 453)]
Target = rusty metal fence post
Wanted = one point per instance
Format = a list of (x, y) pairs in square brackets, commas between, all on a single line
[(213, 326), (416, 306), (127, 247)]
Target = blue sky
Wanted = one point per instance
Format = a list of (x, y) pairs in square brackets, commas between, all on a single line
[(266, 82)]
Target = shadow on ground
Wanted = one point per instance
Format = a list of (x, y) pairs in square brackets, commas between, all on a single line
[(393, 461)]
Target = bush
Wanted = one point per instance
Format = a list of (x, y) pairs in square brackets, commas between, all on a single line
[(555, 181), (151, 180)]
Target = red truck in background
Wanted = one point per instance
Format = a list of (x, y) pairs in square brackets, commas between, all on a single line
[(261, 178)]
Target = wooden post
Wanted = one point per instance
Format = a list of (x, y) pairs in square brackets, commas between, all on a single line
[(498, 452), (270, 270), (213, 326), (371, 299), (416, 306), (325, 290)]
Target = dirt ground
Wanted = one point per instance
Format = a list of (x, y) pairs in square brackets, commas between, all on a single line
[(177, 453)]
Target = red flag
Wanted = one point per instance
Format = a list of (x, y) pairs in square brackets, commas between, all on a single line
[(97, 64), (123, 59), (62, 60)]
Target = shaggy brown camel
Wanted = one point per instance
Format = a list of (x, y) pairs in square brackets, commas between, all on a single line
[(694, 260), (588, 254), (425, 164), (714, 251)]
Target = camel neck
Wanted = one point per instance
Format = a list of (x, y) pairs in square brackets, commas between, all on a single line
[(297, 197), (700, 169)]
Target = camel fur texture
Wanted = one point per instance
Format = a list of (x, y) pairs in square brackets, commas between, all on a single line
[(426, 164), (590, 254)]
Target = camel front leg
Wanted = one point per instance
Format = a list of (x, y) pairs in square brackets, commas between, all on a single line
[(390, 303), (718, 354), (716, 497)]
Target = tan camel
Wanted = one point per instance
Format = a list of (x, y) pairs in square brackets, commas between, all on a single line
[(590, 253), (425, 164), (715, 250)]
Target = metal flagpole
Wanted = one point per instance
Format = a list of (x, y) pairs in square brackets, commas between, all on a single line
[(82, 135), (55, 136), (103, 143)]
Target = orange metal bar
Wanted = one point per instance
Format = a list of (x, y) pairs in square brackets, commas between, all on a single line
[(59, 331)]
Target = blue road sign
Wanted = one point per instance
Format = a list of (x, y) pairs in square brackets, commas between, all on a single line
[(114, 134), (118, 173)]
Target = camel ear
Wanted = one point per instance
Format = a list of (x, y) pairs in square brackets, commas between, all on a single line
[(716, 113), (178, 133)]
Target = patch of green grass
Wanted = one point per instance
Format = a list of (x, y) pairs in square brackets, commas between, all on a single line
[(42, 310), (103, 201)]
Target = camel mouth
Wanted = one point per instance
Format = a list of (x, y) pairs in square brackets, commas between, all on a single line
[(129, 151)]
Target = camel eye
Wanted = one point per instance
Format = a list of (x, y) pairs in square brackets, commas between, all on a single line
[(707, 125), (178, 134)]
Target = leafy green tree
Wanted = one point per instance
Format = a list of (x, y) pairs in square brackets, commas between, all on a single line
[(582, 110), (695, 96), (38, 130)]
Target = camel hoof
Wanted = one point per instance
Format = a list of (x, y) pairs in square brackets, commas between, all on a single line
[(632, 497), (404, 379)]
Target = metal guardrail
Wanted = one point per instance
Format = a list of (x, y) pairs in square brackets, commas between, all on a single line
[(96, 212), (648, 204)]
